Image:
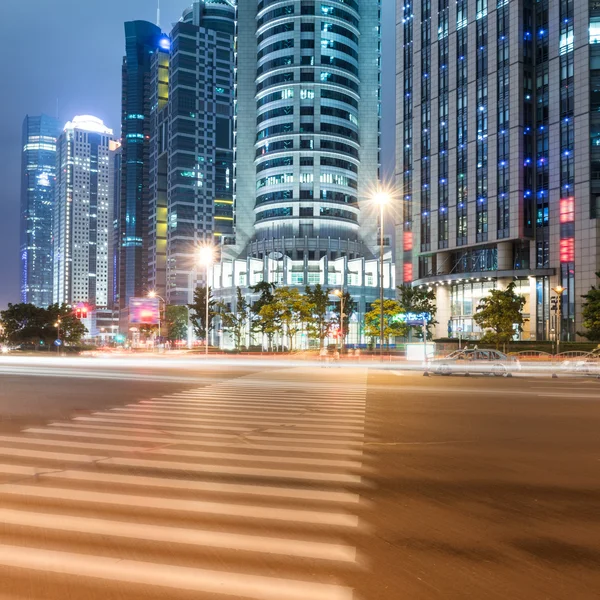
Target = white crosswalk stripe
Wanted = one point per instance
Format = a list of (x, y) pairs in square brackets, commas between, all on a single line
[(199, 483)]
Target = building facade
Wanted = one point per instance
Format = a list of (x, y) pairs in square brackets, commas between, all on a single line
[(38, 178), (142, 41), (82, 213), (307, 148), (193, 141), (496, 155)]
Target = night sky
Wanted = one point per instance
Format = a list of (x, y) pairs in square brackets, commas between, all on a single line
[(71, 51)]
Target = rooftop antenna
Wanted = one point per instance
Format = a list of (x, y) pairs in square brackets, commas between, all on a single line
[(158, 13)]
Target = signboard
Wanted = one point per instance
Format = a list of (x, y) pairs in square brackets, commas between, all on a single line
[(58, 342), (411, 318), (144, 311)]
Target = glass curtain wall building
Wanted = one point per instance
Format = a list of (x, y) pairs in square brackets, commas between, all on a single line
[(307, 147), (196, 147), (496, 114), (142, 41), (38, 178), (82, 213)]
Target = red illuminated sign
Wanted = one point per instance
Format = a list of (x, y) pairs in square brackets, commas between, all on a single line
[(408, 240), (144, 311), (408, 272), (567, 210), (567, 250)]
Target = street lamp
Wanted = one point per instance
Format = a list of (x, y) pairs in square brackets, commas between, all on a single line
[(205, 257), (57, 325), (382, 198), (340, 294), (558, 290), (153, 294)]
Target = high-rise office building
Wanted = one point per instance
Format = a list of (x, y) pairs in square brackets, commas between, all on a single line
[(82, 213), (498, 155), (142, 41), (192, 145), (38, 177), (307, 148)]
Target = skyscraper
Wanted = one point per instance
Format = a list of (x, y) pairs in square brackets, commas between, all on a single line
[(307, 148), (38, 177), (82, 213), (192, 159), (142, 41), (497, 144)]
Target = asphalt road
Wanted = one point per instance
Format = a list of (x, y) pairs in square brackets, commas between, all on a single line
[(133, 480)]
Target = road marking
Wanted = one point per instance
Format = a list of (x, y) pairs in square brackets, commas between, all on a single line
[(206, 486), (226, 470), (26, 453), (172, 577), (184, 453), (250, 437), (316, 423), (262, 406), (148, 420), (178, 441), (20, 470), (176, 504), (226, 410), (176, 535)]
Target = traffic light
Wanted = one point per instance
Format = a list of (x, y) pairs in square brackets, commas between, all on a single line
[(84, 312), (78, 313)]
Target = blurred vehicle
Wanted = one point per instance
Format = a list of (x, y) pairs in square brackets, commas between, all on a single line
[(488, 362), (588, 364)]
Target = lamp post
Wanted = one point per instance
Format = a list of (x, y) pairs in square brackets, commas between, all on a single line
[(153, 294), (558, 290), (340, 294), (206, 257), (57, 325), (382, 198)]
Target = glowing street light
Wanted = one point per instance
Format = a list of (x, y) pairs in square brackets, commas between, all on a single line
[(558, 290), (153, 294), (206, 255), (382, 198)]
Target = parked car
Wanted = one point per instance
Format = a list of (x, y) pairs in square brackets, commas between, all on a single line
[(488, 362), (588, 364)]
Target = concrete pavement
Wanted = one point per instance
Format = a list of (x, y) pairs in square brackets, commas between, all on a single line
[(297, 483)]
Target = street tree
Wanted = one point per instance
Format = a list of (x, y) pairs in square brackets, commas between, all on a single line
[(235, 320), (591, 313), (392, 323), (258, 323), (318, 320), (268, 322), (198, 311), (500, 314), (294, 311), (417, 300), (349, 310), (72, 329), (176, 322)]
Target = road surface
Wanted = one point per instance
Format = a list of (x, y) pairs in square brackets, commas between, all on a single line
[(288, 482)]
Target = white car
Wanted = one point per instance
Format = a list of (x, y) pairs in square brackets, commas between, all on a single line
[(488, 362), (588, 364)]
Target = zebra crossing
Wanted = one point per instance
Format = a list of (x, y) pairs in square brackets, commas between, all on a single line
[(247, 488)]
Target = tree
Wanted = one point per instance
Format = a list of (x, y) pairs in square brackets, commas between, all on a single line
[(392, 324), (591, 313), (349, 309), (33, 324), (257, 322), (318, 322), (500, 313), (293, 310), (417, 300), (176, 322), (198, 311), (269, 322), (235, 321), (72, 329)]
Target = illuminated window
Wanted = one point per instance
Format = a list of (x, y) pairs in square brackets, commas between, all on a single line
[(567, 210), (567, 250), (407, 272)]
